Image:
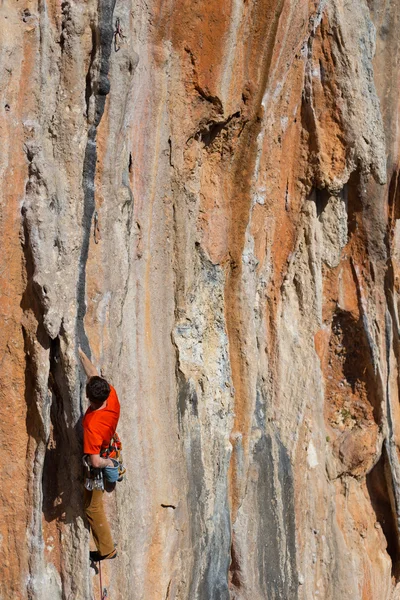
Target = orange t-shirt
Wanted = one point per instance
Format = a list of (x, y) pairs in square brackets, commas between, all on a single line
[(99, 425)]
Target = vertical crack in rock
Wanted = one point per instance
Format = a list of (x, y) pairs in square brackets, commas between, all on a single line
[(390, 466), (97, 88), (62, 502), (379, 485), (390, 444), (36, 427)]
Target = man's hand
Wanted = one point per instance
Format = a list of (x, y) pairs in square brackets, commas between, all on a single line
[(100, 463), (89, 367)]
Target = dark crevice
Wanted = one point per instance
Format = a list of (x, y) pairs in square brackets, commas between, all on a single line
[(26, 14), (170, 152), (379, 485), (214, 100), (168, 589), (53, 497), (287, 203), (89, 88), (65, 17), (31, 303), (354, 203), (34, 421), (234, 569), (350, 347), (31, 299), (394, 201), (212, 129), (394, 195), (321, 200), (391, 452), (62, 470), (307, 110)]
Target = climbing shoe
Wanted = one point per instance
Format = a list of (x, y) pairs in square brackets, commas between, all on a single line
[(95, 555)]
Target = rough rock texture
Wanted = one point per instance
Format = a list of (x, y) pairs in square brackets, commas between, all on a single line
[(209, 205)]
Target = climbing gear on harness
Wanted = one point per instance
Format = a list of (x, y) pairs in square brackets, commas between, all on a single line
[(114, 451), (118, 35), (94, 477)]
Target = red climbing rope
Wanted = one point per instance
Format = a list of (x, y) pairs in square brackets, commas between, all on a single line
[(103, 591), (101, 583)]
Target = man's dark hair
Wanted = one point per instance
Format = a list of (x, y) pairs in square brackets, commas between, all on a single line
[(97, 390)]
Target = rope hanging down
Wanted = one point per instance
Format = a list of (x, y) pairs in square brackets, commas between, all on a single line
[(103, 592)]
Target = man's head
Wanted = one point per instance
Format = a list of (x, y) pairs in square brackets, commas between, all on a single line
[(97, 390)]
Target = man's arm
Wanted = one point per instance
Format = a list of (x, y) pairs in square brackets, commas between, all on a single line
[(89, 368), (99, 463)]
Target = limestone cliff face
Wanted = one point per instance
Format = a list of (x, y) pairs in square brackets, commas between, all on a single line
[(204, 196)]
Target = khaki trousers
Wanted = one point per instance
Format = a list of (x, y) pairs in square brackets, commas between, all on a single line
[(94, 509)]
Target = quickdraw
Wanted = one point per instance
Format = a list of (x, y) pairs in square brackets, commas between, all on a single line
[(118, 35), (94, 477)]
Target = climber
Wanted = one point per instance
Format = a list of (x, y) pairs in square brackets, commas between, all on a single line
[(99, 425)]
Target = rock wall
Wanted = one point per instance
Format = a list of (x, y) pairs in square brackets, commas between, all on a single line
[(204, 196)]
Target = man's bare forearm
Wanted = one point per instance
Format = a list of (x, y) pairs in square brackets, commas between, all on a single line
[(99, 463), (88, 366)]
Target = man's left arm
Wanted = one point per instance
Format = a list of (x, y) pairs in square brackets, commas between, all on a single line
[(88, 366)]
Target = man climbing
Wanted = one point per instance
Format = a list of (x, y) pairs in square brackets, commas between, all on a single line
[(99, 425)]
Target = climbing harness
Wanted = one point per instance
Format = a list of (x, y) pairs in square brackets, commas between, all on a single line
[(94, 479), (113, 450), (118, 35)]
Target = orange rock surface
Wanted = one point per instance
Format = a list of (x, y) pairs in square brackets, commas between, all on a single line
[(204, 197)]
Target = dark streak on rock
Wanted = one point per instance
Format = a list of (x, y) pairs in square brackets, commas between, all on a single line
[(100, 87), (214, 551), (215, 581), (276, 547), (187, 396)]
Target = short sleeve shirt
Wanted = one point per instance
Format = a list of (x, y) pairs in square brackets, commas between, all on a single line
[(99, 425)]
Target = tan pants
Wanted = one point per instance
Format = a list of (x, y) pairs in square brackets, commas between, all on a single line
[(94, 509)]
